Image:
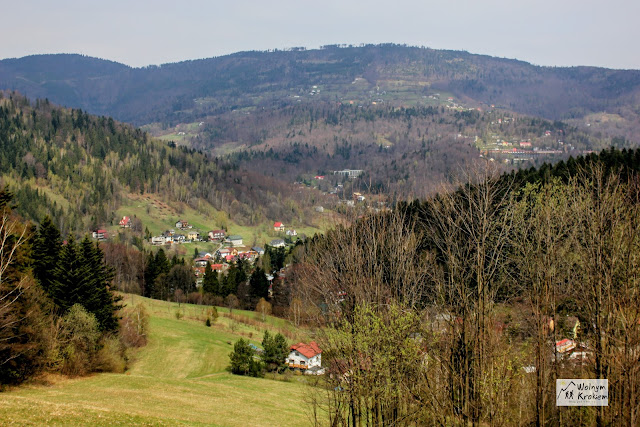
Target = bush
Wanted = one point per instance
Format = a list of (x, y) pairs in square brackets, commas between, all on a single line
[(110, 357), (195, 298), (79, 338), (134, 325), (212, 313)]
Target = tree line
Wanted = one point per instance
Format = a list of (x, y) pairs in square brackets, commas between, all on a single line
[(448, 311), (57, 310)]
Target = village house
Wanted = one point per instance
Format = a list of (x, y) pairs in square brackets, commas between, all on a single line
[(183, 225), (305, 356), (100, 234), (258, 250), (291, 232), (125, 222), (216, 234), (193, 236), (565, 346), (235, 240), (277, 243), (201, 262), (158, 240), (278, 226)]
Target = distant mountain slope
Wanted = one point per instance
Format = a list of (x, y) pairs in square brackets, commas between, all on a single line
[(79, 168), (184, 91)]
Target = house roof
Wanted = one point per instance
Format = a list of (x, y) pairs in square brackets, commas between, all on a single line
[(276, 242), (307, 350), (278, 224), (234, 237)]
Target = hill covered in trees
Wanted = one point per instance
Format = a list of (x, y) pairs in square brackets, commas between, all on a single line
[(474, 301), (78, 168), (399, 75)]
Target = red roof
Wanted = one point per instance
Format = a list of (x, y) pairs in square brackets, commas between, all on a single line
[(307, 350), (277, 224)]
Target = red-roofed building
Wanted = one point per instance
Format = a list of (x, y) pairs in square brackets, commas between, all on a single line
[(100, 234), (305, 356), (278, 226), (125, 222), (565, 346)]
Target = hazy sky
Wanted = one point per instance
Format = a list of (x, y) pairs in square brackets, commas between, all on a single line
[(138, 33)]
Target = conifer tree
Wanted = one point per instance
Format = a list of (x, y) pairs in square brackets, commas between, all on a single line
[(259, 284), (210, 283), (46, 248), (150, 274)]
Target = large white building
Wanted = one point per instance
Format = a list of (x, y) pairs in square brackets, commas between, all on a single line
[(305, 356)]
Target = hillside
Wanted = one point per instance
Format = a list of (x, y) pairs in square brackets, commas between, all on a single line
[(409, 118), (399, 75), (178, 378), (82, 169)]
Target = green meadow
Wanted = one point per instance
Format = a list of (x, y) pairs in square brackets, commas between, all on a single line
[(179, 378)]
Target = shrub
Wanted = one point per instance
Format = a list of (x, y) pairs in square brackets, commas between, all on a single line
[(110, 356), (134, 325), (79, 338)]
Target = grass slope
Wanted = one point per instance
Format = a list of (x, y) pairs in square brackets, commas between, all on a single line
[(179, 378)]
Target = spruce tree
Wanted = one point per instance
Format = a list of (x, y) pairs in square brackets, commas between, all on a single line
[(210, 283), (100, 301), (150, 274), (46, 248), (259, 284)]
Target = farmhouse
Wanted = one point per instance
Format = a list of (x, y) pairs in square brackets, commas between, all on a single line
[(216, 234), (183, 225), (278, 226), (100, 234), (234, 240), (125, 222), (277, 243), (305, 356)]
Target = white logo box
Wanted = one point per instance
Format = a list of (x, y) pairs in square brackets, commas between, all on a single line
[(582, 392)]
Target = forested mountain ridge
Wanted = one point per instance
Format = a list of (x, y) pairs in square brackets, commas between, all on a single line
[(77, 168), (184, 91)]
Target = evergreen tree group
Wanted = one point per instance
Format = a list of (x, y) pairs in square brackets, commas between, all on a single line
[(74, 273)]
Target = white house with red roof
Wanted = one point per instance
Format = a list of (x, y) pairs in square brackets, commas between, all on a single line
[(125, 222), (278, 226), (305, 356)]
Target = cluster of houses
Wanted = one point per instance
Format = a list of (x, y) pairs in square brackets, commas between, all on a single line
[(187, 234)]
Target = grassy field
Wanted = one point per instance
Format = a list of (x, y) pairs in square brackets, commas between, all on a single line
[(179, 378)]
